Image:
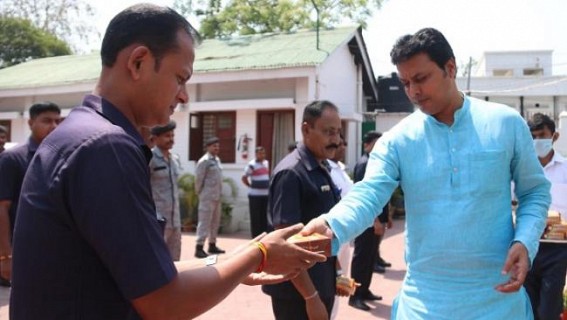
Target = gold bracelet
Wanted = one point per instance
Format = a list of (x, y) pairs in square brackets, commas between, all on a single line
[(264, 252), (2, 258)]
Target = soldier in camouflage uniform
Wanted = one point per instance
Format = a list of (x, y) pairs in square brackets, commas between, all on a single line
[(208, 184)]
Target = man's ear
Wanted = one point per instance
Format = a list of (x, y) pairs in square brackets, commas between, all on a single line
[(305, 128), (555, 136), (451, 68), (138, 60)]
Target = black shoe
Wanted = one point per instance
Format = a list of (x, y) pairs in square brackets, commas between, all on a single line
[(372, 297), (358, 304), (214, 249), (200, 253), (379, 269), (383, 263)]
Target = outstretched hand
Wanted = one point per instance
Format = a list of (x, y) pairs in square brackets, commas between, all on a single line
[(285, 257), (317, 225), (517, 266)]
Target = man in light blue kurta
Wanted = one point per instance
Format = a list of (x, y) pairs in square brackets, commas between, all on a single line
[(454, 159)]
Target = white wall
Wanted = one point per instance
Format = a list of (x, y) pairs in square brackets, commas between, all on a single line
[(181, 145), (241, 90), (340, 81), (386, 121), (517, 61)]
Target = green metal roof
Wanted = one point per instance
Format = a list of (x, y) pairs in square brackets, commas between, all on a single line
[(269, 51), (261, 51), (51, 71)]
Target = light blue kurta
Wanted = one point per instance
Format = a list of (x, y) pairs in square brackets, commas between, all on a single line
[(459, 225)]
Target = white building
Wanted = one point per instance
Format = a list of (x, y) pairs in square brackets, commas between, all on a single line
[(523, 80), (250, 88)]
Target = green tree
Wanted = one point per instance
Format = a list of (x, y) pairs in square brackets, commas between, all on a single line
[(260, 16), (70, 20), (21, 41)]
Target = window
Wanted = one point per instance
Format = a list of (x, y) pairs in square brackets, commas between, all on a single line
[(502, 72), (8, 125), (533, 72), (275, 132), (213, 124)]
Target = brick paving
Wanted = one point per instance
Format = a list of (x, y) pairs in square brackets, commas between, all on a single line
[(249, 303)]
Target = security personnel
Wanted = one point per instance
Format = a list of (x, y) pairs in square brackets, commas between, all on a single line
[(164, 172), (208, 184)]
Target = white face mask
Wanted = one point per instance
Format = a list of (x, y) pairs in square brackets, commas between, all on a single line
[(543, 147)]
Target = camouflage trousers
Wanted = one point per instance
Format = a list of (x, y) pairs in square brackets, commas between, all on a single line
[(172, 237), (209, 220)]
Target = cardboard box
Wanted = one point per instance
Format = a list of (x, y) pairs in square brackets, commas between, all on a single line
[(315, 242), (347, 285)]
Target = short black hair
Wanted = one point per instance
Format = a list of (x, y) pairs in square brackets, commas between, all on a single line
[(260, 148), (371, 136), (3, 129), (150, 25), (314, 110), (539, 121), (41, 107), (429, 41)]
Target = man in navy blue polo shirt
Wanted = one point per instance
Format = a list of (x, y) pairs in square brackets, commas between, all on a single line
[(302, 189), (44, 117), (87, 243)]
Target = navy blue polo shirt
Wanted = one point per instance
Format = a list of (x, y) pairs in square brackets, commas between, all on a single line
[(87, 240), (301, 190), (13, 165)]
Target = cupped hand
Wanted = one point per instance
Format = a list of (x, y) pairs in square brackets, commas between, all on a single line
[(262, 278)]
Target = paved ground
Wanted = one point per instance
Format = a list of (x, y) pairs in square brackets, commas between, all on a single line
[(249, 303)]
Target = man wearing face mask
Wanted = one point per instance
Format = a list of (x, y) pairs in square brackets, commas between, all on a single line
[(546, 278)]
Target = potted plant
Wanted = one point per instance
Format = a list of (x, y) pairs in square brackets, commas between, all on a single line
[(189, 202), (226, 204)]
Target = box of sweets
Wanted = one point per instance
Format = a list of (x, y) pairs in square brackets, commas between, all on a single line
[(556, 229), (315, 242)]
